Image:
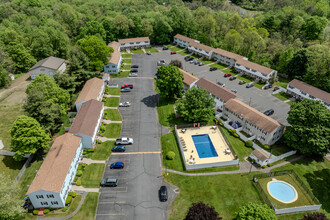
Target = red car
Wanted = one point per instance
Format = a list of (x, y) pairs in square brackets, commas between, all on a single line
[(127, 86), (173, 52), (227, 75)]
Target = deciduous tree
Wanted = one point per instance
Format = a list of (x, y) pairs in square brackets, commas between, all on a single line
[(201, 211), (315, 216), (169, 81), (21, 57), (176, 63), (256, 211)]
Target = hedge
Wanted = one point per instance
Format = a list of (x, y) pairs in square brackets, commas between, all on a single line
[(79, 173), (235, 135), (75, 179), (35, 212), (78, 182), (46, 211), (79, 167), (73, 194), (266, 146), (248, 143), (68, 200), (170, 155), (90, 150), (84, 165)]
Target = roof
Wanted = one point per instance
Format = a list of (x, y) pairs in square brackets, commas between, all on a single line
[(318, 93), (254, 116), (200, 46), (115, 45), (184, 38), (106, 74), (188, 78), (91, 90), (130, 40), (115, 57), (254, 66), (227, 54), (260, 154), (49, 62), (87, 118), (54, 169), (216, 89)]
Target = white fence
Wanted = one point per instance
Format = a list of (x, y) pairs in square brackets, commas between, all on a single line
[(297, 209), (282, 156), (11, 153)]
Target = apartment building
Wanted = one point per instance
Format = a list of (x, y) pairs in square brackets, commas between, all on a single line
[(114, 62), (131, 43), (255, 70), (226, 57), (182, 41), (189, 80), (200, 49), (48, 66)]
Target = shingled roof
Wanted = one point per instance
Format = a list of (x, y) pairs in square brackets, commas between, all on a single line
[(184, 38), (115, 45), (216, 89), (260, 154), (188, 78), (115, 57), (132, 40), (91, 90), (49, 62), (54, 169), (200, 46), (228, 54), (254, 66)]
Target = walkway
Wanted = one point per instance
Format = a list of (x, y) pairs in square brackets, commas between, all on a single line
[(103, 139), (244, 168), (89, 161), (109, 121), (108, 96), (107, 107), (83, 189)]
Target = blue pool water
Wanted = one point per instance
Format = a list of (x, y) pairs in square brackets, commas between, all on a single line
[(204, 146), (282, 191)]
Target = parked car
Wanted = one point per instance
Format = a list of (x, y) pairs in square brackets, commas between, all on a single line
[(148, 53), (276, 88), (161, 63), (126, 90), (192, 61), (249, 85), (241, 82), (227, 75), (173, 52), (117, 165), (134, 70), (200, 64), (196, 62), (109, 182), (119, 149), (213, 68), (124, 140), (127, 86), (163, 194), (268, 86), (221, 84), (269, 112), (133, 75), (234, 90), (232, 78), (135, 66), (124, 104), (165, 48), (186, 58)]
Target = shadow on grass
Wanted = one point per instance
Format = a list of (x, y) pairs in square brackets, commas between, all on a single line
[(151, 101), (9, 162)]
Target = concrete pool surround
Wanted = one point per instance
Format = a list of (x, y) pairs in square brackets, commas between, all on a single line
[(288, 185)]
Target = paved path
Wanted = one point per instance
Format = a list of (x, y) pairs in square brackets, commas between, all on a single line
[(109, 121), (108, 96), (89, 161), (83, 189), (244, 168), (107, 107), (103, 139)]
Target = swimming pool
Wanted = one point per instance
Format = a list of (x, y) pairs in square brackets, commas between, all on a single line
[(282, 191), (204, 146)]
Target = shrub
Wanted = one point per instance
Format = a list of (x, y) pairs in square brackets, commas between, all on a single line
[(256, 211), (248, 143), (230, 131), (258, 165), (266, 146), (104, 99), (170, 155), (235, 135), (75, 179), (64, 209), (46, 211), (79, 167), (68, 200), (220, 124), (35, 212), (84, 165), (224, 119), (264, 166), (78, 183), (79, 173), (90, 150), (74, 194), (102, 128), (84, 152)]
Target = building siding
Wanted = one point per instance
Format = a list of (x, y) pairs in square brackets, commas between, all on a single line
[(132, 45), (255, 74), (113, 68)]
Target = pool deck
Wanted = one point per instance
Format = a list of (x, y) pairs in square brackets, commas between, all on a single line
[(189, 149)]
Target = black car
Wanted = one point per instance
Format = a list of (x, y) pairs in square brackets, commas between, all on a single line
[(276, 88), (109, 182), (213, 68), (163, 194), (135, 66), (190, 59), (165, 48), (268, 86), (232, 78), (269, 112), (249, 85), (134, 70)]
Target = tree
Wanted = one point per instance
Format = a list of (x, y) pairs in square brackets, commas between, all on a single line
[(176, 63), (66, 81), (96, 50), (21, 57), (10, 204), (169, 81), (284, 59), (4, 79), (297, 66), (162, 30), (256, 211), (93, 28), (314, 26), (310, 128), (315, 216), (27, 136), (196, 105), (201, 211), (233, 41)]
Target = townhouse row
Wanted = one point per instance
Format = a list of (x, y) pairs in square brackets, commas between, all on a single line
[(52, 183)]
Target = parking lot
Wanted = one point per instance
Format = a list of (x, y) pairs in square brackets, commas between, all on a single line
[(136, 196), (261, 100)]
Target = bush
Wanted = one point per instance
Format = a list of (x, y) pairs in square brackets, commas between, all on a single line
[(35, 212), (220, 124), (102, 128), (84, 165), (46, 211), (78, 183), (104, 99), (236, 135), (258, 165), (170, 155), (79, 167), (90, 150), (64, 209), (79, 173), (68, 200), (224, 119), (266, 146), (248, 143), (84, 152), (264, 166), (75, 179), (74, 194), (256, 211)]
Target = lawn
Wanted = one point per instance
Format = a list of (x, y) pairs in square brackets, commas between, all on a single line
[(166, 114), (127, 60), (206, 62), (224, 192), (175, 48), (113, 115), (121, 74), (219, 66), (245, 78), (169, 45), (238, 145), (195, 56), (259, 85), (126, 55), (137, 51), (10, 167), (231, 71), (113, 91), (283, 82), (88, 208), (126, 67), (103, 151), (279, 148), (113, 130), (169, 143), (151, 49), (184, 53), (92, 175), (282, 95), (112, 101)]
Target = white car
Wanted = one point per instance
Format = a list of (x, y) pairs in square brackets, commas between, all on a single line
[(133, 75), (124, 104)]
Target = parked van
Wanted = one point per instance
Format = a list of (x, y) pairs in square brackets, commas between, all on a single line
[(109, 182)]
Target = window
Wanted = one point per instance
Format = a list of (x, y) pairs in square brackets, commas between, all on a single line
[(302, 92), (54, 203), (310, 96), (247, 68), (113, 66), (291, 87), (137, 42), (131, 43), (107, 66), (44, 203), (39, 196), (146, 42), (50, 196)]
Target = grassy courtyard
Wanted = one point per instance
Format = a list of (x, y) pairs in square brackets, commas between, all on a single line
[(127, 61), (113, 91), (88, 208), (10, 167), (245, 78), (282, 82), (151, 49), (121, 74), (259, 85), (219, 66), (113, 115), (126, 67), (184, 53), (175, 48), (126, 55), (112, 101), (103, 150), (206, 62), (282, 95), (166, 115), (137, 51), (113, 130), (92, 175)]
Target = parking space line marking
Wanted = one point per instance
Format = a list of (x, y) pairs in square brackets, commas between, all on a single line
[(154, 152), (120, 202), (112, 214)]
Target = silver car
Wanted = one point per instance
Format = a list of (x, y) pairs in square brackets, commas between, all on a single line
[(124, 104), (133, 75)]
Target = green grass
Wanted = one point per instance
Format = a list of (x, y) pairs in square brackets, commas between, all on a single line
[(92, 175), (219, 66), (278, 149), (113, 130), (225, 192), (184, 53), (73, 206), (88, 208), (282, 95), (103, 151), (166, 114), (259, 85), (112, 101), (231, 71), (283, 82), (126, 55), (195, 56), (113, 115), (137, 51), (175, 48), (245, 78), (10, 167), (238, 145), (291, 102), (206, 62), (121, 74), (114, 91), (127, 60), (151, 49), (126, 67), (169, 45)]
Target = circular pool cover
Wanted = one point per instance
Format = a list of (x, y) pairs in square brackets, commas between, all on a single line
[(282, 191)]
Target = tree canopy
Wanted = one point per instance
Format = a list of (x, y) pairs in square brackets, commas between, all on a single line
[(256, 211), (169, 81), (27, 136), (315, 216), (196, 105), (309, 132), (201, 211)]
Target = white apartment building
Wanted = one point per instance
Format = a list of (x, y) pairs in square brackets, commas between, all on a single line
[(52, 183), (182, 41), (131, 43), (200, 49), (114, 62), (48, 66), (226, 57), (255, 70), (301, 90), (263, 128)]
